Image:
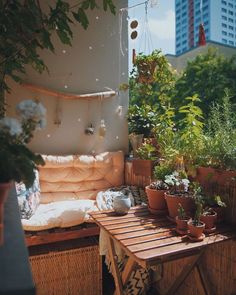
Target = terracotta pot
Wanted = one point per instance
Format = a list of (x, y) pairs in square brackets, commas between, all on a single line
[(173, 202), (196, 230), (156, 199), (182, 224), (143, 167), (209, 220), (221, 211), (4, 191), (208, 175)]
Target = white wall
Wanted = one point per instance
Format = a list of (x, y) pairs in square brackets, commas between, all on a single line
[(94, 63)]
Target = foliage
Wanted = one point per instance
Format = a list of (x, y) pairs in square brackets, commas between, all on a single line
[(220, 136), (158, 92), (207, 76), (181, 138), (161, 170), (141, 119), (196, 220), (147, 151), (213, 201), (159, 185), (177, 182), (190, 130), (25, 28), (17, 161), (181, 212)]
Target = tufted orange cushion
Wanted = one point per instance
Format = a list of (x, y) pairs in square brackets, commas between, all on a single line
[(80, 176)]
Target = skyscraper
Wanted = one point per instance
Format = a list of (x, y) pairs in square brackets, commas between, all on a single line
[(218, 17)]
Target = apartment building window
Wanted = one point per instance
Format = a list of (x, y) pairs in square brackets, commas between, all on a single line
[(231, 42), (224, 25), (230, 12), (224, 41), (231, 35), (224, 10), (230, 20), (231, 28), (223, 2), (230, 5), (224, 17), (224, 33)]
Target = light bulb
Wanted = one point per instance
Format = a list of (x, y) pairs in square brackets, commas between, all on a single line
[(48, 135), (90, 47), (117, 137), (79, 120), (66, 86), (64, 51)]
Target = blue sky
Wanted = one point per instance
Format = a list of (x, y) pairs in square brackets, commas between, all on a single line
[(161, 23)]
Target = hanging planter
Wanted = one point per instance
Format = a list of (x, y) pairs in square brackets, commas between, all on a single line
[(147, 66)]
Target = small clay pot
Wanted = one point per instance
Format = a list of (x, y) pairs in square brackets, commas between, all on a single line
[(196, 231), (209, 220), (182, 224)]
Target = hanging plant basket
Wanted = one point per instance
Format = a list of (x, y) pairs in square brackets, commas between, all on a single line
[(147, 66), (146, 71)]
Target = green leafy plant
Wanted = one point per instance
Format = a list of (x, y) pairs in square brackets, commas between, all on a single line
[(220, 137), (17, 161), (181, 212), (178, 183), (161, 170), (26, 28), (190, 130), (159, 185), (141, 119), (147, 151), (196, 220), (214, 201)]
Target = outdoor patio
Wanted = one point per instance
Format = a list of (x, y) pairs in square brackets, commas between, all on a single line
[(112, 182)]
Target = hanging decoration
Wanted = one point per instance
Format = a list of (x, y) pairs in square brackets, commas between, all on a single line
[(58, 113), (89, 130), (102, 129), (201, 35)]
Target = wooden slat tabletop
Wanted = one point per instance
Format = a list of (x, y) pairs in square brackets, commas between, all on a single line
[(151, 238)]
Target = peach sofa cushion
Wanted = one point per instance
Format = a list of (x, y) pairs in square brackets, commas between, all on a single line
[(69, 186), (81, 176)]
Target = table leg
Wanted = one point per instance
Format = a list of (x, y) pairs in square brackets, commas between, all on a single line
[(183, 275), (204, 279), (129, 267), (115, 270)]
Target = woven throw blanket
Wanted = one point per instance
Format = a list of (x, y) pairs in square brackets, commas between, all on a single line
[(139, 281)]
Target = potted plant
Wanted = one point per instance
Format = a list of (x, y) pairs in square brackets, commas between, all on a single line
[(215, 202), (182, 221), (155, 194), (147, 66), (147, 155), (218, 160), (17, 161), (209, 217), (195, 225), (141, 121), (178, 193)]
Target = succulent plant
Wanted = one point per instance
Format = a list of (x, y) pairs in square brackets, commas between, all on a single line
[(159, 185)]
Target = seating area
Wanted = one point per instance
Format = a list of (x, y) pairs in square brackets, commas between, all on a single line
[(117, 164)]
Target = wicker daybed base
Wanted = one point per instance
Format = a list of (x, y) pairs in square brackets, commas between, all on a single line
[(66, 261)]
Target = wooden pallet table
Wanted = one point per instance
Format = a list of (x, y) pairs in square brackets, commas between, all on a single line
[(150, 239)]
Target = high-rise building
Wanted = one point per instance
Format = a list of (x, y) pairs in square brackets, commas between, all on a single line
[(218, 17)]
